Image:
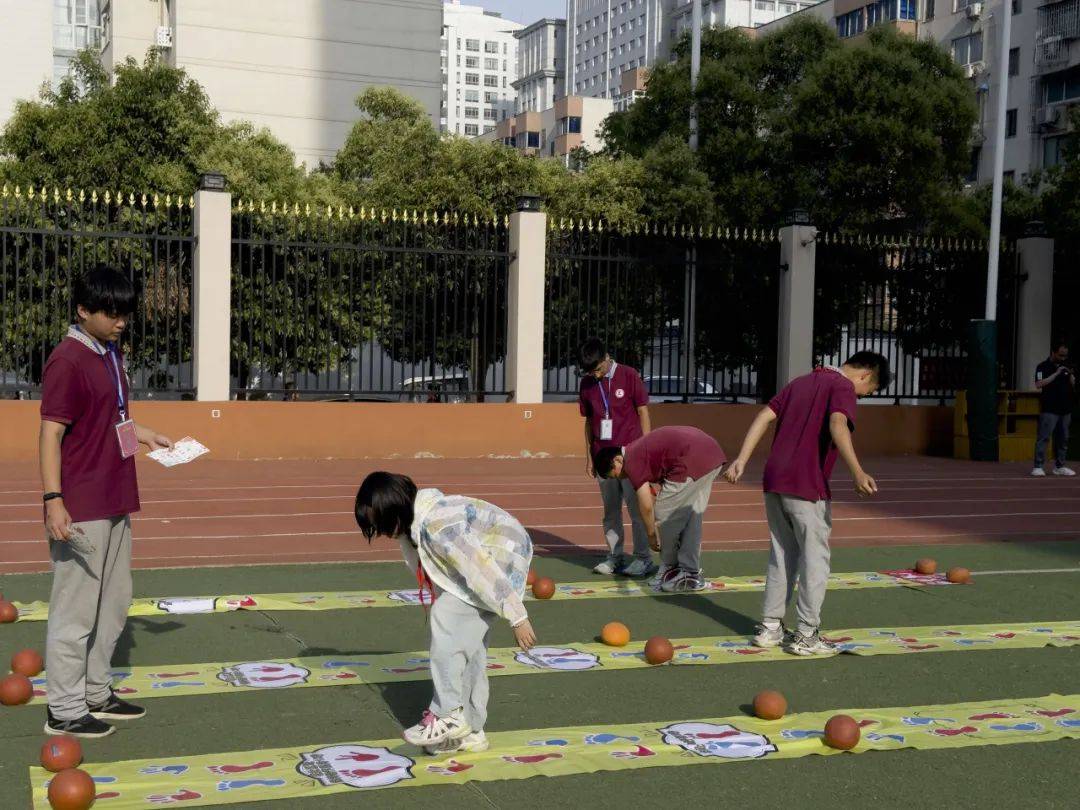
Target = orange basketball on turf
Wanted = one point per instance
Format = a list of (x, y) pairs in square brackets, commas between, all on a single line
[(658, 650), (543, 587), (842, 732), (27, 662), (926, 566), (8, 613), (769, 705), (958, 575), (61, 753), (615, 634), (15, 690), (71, 789)]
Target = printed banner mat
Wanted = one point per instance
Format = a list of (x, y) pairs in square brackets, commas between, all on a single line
[(289, 673), (344, 600), (288, 773)]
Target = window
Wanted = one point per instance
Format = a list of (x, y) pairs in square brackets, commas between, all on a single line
[(459, 43), (442, 62), (973, 170), (1014, 61), (929, 9), (488, 129), (491, 114), (968, 49), (1062, 86), (472, 112), (908, 10), (491, 81), (764, 5), (573, 124), (472, 78), (491, 47), (850, 24), (1052, 151), (472, 95), (472, 129), (1017, 6), (534, 140), (491, 64), (76, 25), (490, 97), (1010, 123), (504, 82), (1008, 177), (472, 45), (472, 61), (787, 8)]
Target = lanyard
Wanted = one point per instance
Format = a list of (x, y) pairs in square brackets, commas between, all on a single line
[(604, 397), (120, 404)]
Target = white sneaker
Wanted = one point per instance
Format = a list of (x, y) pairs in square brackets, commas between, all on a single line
[(658, 577), (639, 568), (812, 644), (432, 730), (683, 581), (769, 634), (1064, 471), (607, 566), (473, 743), (1038, 472)]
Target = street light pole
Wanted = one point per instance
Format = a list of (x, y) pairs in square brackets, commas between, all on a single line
[(999, 162), (695, 67)]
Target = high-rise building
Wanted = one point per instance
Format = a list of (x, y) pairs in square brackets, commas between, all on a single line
[(479, 66), (541, 64)]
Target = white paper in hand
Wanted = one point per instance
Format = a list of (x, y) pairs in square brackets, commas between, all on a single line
[(185, 450)]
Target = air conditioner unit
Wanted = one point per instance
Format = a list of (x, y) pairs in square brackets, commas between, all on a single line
[(974, 11), (1047, 117), (164, 39), (972, 70)]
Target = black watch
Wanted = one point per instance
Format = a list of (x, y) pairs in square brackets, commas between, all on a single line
[(51, 496)]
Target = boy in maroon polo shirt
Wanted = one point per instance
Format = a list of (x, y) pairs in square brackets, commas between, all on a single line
[(87, 450), (814, 415), (683, 462), (615, 405)]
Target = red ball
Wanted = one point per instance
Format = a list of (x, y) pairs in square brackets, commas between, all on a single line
[(926, 566), (543, 587), (8, 613), (769, 705), (658, 650), (71, 789), (958, 575), (531, 578), (27, 662), (842, 732), (61, 753), (15, 690)]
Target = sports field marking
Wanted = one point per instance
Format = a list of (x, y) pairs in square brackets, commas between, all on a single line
[(291, 773), (179, 680), (1074, 570)]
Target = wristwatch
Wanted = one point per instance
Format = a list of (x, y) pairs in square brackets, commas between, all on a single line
[(51, 496)]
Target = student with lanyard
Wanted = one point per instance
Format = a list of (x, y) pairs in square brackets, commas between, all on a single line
[(87, 450), (615, 405)]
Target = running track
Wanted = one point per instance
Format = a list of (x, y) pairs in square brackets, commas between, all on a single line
[(217, 513)]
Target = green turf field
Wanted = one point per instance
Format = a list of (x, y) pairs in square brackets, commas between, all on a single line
[(1030, 775)]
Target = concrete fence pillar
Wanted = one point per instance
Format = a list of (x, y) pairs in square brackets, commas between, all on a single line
[(525, 310), (1033, 321), (212, 289), (795, 339)]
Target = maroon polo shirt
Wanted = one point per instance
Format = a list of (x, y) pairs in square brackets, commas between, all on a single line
[(803, 454), (78, 389), (671, 454), (625, 393)]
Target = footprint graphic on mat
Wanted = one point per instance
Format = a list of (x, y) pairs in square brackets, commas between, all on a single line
[(182, 795), (606, 739), (240, 784)]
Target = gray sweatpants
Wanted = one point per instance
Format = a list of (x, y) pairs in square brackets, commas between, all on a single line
[(615, 492), (459, 640), (91, 594), (679, 510), (800, 552), (1052, 424)]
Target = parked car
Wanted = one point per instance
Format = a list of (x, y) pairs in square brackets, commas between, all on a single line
[(437, 388), (669, 388)]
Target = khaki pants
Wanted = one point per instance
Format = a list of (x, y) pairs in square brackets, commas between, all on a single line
[(88, 608), (800, 532), (679, 510)]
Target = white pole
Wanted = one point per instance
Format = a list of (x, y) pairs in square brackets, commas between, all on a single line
[(695, 67), (999, 162)]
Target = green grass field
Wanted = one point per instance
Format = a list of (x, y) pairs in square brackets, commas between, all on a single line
[(1028, 775)]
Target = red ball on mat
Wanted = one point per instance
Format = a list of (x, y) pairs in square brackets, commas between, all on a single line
[(769, 705), (658, 650), (61, 753), (842, 732), (71, 790), (15, 690), (958, 575), (8, 613), (543, 587), (926, 566), (27, 662)]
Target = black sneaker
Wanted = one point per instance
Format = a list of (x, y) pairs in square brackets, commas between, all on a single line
[(86, 726), (116, 709)]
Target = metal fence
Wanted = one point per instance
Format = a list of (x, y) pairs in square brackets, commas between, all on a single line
[(369, 305), (910, 299), (694, 311), (49, 237), (1066, 294)]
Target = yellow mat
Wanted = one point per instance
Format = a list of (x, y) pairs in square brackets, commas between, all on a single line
[(301, 772)]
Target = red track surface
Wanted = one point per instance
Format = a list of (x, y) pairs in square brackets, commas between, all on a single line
[(238, 513)]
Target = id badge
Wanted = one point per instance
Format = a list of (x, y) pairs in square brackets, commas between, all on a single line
[(126, 438), (605, 429)]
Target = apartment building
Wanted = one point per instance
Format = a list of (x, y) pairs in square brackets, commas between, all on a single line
[(479, 67), (541, 56), (571, 122)]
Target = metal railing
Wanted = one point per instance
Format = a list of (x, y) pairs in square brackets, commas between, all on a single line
[(48, 237), (1066, 294), (380, 305), (694, 311)]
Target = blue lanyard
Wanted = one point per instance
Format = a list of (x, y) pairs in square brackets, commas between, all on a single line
[(120, 404), (604, 396)]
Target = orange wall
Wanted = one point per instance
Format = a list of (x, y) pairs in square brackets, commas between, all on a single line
[(248, 430)]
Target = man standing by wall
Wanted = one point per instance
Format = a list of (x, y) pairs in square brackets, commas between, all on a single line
[(615, 405), (1056, 384)]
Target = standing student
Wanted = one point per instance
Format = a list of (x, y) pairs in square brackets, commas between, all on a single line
[(814, 415), (1056, 384), (683, 462), (615, 405), (87, 451)]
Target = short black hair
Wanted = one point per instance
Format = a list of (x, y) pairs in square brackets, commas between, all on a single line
[(592, 354), (1059, 344), (384, 505), (103, 289), (872, 361), (604, 460)]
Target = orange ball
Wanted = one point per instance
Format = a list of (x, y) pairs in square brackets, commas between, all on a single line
[(615, 634), (27, 662), (8, 613), (61, 753), (658, 650), (926, 566), (543, 587), (958, 575), (15, 690), (769, 705), (71, 789), (842, 732), (531, 578)]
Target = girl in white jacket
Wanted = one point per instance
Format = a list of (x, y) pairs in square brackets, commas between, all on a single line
[(473, 559)]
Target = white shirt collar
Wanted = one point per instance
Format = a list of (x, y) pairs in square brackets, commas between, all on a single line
[(75, 333), (611, 371)]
